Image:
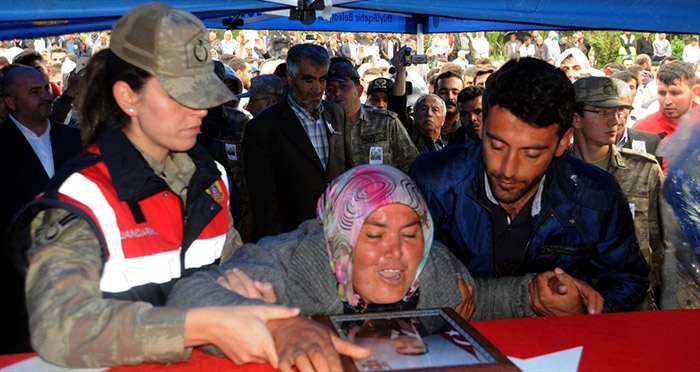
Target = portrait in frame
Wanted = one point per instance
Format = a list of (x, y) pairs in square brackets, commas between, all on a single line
[(431, 339)]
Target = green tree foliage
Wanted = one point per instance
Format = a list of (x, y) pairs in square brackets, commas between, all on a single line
[(677, 46), (605, 45)]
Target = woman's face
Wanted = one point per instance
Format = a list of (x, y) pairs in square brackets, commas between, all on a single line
[(387, 254), (160, 124)]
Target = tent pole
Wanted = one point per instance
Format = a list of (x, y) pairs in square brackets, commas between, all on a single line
[(419, 46)]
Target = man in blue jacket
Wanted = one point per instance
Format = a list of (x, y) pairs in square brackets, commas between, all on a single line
[(515, 203)]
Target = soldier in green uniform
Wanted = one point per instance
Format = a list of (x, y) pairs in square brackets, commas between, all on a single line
[(375, 136), (599, 111)]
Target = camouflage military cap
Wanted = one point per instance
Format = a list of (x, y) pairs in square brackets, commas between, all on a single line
[(342, 70), (172, 45), (264, 84), (380, 85), (598, 91)]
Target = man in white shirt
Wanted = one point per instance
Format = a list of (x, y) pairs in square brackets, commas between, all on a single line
[(32, 149), (691, 52), (481, 46)]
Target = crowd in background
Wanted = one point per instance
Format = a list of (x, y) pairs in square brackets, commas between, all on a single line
[(390, 108)]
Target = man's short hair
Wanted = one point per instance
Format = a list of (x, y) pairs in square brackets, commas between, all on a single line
[(451, 66), (677, 72), (59, 50), (625, 76), (481, 70), (534, 91), (669, 59), (226, 58), (469, 93), (635, 70), (237, 64), (446, 75), (281, 70), (309, 54), (27, 57), (642, 59), (483, 61)]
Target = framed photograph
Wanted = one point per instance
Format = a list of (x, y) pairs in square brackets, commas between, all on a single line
[(433, 339)]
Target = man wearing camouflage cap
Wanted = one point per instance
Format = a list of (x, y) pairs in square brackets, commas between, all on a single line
[(376, 136), (265, 90), (597, 115)]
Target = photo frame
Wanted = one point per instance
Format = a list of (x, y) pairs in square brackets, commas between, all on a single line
[(431, 339)]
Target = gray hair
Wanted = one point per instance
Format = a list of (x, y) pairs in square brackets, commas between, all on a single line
[(309, 54), (623, 88), (422, 99)]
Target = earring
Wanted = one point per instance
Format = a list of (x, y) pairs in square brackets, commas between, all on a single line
[(131, 110)]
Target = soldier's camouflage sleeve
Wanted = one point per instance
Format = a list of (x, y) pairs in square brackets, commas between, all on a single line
[(71, 323), (403, 148)]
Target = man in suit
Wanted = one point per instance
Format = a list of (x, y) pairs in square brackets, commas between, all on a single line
[(32, 148), (295, 147), (511, 47)]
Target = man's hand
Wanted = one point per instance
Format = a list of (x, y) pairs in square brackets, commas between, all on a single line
[(467, 306), (590, 297), (310, 346), (553, 294), (237, 281), (240, 332)]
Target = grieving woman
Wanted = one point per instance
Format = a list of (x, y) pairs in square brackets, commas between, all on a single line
[(371, 249)]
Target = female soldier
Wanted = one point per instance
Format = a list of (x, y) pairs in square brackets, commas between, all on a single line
[(143, 206)]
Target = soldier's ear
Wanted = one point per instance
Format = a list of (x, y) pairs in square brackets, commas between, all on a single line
[(360, 88), (576, 122), (126, 98)]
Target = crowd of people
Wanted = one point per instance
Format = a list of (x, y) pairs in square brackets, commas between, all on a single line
[(169, 190)]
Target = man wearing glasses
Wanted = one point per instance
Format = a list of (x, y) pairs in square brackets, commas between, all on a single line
[(265, 90), (597, 115)]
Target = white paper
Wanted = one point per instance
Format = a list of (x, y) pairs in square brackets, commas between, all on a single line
[(559, 361)]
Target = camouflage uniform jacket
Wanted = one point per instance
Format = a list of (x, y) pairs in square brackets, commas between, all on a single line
[(381, 128), (640, 178), (72, 323)]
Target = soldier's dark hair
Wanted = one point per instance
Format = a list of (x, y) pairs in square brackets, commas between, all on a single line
[(534, 91), (97, 102)]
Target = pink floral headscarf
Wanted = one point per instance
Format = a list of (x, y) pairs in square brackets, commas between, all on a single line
[(349, 200)]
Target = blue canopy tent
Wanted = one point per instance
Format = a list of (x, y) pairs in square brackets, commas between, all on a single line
[(54, 17)]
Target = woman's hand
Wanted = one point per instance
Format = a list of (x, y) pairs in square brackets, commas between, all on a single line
[(237, 281), (467, 306)]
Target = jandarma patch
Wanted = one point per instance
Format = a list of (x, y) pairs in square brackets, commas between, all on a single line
[(216, 192)]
